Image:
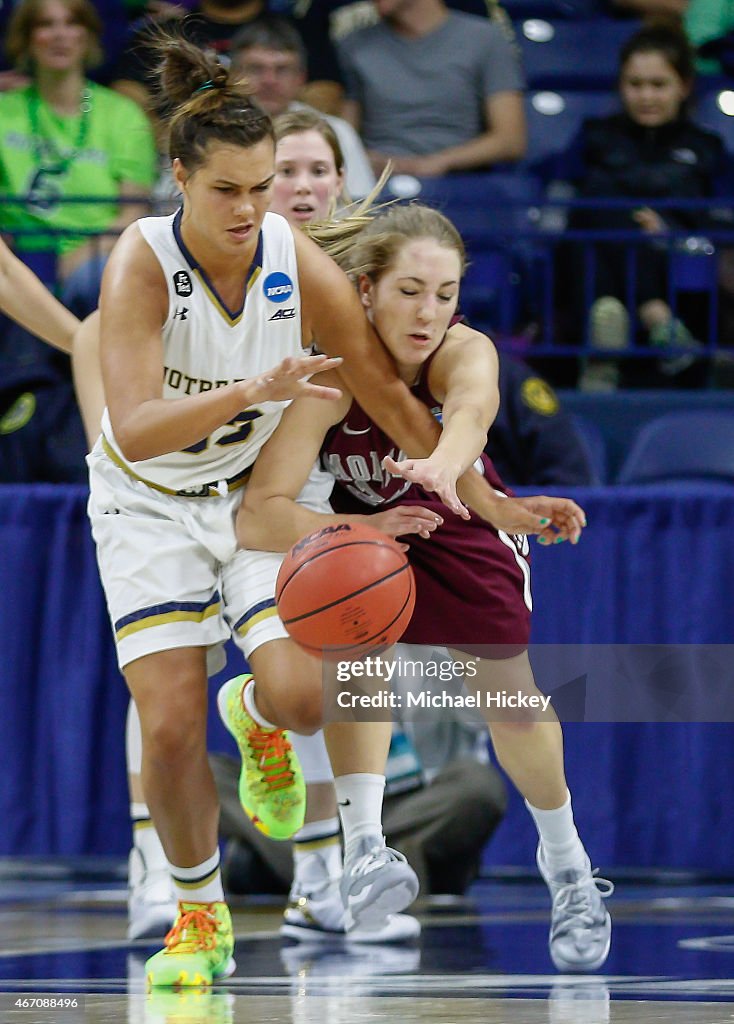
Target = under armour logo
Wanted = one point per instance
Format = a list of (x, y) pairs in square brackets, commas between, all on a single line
[(180, 313)]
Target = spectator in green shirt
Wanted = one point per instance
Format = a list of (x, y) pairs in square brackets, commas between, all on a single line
[(64, 136)]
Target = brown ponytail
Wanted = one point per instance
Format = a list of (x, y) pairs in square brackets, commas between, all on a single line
[(209, 103)]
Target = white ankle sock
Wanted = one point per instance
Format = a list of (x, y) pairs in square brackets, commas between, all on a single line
[(201, 883), (317, 861), (317, 831), (359, 799), (562, 848), (139, 812), (145, 839), (314, 757), (248, 699), (133, 740)]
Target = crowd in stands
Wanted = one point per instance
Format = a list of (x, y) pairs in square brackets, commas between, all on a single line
[(434, 88)]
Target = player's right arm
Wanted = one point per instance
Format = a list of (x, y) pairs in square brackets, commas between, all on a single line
[(27, 301), (133, 307), (270, 518)]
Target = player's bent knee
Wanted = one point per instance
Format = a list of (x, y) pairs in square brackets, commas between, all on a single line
[(173, 737)]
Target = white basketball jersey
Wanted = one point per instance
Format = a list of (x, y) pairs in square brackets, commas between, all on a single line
[(207, 346)]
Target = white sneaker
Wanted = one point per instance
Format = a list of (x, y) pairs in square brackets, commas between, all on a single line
[(317, 915), (151, 904), (313, 913), (581, 928), (333, 965), (397, 928), (377, 883), (584, 1003)]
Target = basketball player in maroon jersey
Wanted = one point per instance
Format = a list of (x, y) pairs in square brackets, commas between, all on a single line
[(473, 587)]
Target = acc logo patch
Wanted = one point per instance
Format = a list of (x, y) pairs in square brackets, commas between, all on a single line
[(182, 283), (277, 287), (539, 396)]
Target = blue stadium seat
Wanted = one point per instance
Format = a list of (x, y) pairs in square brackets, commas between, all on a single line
[(683, 446), (496, 214), (554, 118), (485, 205), (591, 437), (581, 54), (489, 293)]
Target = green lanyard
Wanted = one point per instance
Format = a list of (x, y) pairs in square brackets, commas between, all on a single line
[(48, 156)]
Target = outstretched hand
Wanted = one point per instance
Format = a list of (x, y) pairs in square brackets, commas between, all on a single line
[(552, 519), (432, 476), (289, 380), (404, 519)]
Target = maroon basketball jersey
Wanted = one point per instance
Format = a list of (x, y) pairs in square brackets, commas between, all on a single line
[(473, 582)]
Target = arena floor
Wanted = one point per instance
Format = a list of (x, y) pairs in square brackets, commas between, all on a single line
[(481, 960)]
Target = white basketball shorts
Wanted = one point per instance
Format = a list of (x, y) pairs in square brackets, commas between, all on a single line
[(171, 571)]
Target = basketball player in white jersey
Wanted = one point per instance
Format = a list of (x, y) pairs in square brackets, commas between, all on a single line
[(309, 176), (196, 309)]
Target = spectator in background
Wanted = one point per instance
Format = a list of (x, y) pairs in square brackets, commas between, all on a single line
[(533, 441), (270, 54), (709, 24), (213, 25), (62, 135), (30, 424), (332, 20), (433, 90), (651, 150)]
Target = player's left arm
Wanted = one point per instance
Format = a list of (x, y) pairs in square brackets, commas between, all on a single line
[(464, 377)]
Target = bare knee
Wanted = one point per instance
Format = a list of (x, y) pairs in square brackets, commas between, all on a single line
[(172, 736), (171, 697), (288, 686)]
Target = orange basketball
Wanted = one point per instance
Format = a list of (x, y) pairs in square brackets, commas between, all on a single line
[(345, 591)]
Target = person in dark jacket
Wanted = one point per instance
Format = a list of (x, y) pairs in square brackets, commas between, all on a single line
[(533, 440), (651, 150)]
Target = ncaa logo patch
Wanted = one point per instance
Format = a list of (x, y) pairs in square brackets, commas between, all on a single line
[(182, 283), (277, 287)]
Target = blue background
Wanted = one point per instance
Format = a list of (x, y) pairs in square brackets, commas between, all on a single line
[(651, 568)]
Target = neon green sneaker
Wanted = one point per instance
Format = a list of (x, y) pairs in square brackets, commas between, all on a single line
[(198, 949), (272, 790), (188, 1006)]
